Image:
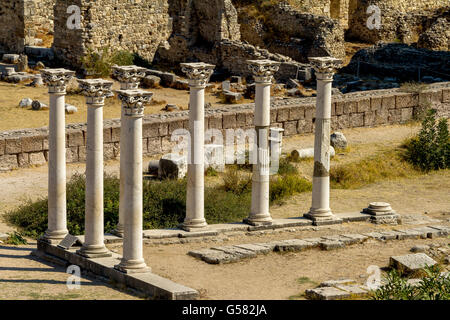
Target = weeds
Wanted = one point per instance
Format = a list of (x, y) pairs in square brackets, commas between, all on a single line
[(16, 239)]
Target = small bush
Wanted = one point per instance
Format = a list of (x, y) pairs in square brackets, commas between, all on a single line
[(100, 63), (236, 181), (430, 149), (287, 185), (432, 286), (413, 87), (16, 239)]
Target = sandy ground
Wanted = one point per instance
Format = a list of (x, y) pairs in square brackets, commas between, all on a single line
[(274, 276), (12, 94)]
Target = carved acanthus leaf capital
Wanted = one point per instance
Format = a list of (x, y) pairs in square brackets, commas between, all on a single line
[(198, 73), (130, 75), (57, 79), (95, 90), (263, 70), (134, 101), (325, 67)]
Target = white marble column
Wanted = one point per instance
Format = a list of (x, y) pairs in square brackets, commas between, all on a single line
[(95, 91), (263, 71), (133, 102), (320, 211), (56, 80), (129, 78), (198, 74)]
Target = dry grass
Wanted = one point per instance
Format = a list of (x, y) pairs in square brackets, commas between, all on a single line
[(381, 166)]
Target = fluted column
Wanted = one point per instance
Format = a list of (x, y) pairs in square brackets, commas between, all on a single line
[(129, 78), (263, 71), (320, 211), (95, 91), (198, 74), (133, 102), (56, 80)]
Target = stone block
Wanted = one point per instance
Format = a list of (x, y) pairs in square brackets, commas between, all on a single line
[(411, 262), (215, 121), (446, 95), (339, 108), (163, 129), (430, 96), (310, 113), (154, 146), (150, 129), (232, 97), (304, 126), (388, 102), (82, 153), (331, 244), (395, 116), (167, 145), (2, 147), (430, 232), (236, 251), (32, 143), (72, 154), (343, 121), (290, 128), (115, 134), (375, 103), (292, 245), (357, 120), (407, 114), (326, 293), (213, 256), (23, 159), (256, 248), (172, 166), (75, 138), (363, 105), (333, 283), (175, 125), (350, 107), (37, 158), (296, 113), (8, 162), (406, 100), (354, 290), (356, 238), (151, 81), (390, 235), (107, 137), (229, 120), (374, 235), (240, 120), (282, 114), (444, 230), (13, 145)]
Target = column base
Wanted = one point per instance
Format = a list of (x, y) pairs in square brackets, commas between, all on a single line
[(130, 267), (94, 252), (54, 237), (194, 225), (320, 220), (259, 220), (118, 232)]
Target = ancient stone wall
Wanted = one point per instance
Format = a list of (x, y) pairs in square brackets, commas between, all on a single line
[(135, 26), (401, 21), (21, 148), (38, 18), (12, 31)]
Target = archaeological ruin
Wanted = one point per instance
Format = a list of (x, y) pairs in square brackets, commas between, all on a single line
[(278, 68)]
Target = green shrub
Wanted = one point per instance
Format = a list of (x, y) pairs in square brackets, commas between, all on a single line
[(430, 149), (100, 63), (287, 185), (432, 286), (16, 239), (236, 181)]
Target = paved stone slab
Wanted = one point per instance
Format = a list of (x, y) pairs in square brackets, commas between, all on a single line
[(255, 248), (411, 262), (161, 234), (352, 216), (213, 256), (192, 234), (315, 242), (332, 283), (269, 245), (445, 231), (235, 251), (374, 235), (357, 238), (408, 234), (292, 245), (390, 235), (354, 290), (420, 248), (431, 233), (331, 245), (326, 293), (226, 227)]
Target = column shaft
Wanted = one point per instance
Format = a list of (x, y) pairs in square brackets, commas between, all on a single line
[(57, 224)]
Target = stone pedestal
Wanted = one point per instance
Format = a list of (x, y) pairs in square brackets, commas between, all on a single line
[(56, 80), (263, 71), (133, 102), (198, 74), (129, 78), (95, 91), (382, 213), (320, 211)]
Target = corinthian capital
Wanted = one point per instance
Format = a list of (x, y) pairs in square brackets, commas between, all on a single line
[(198, 73), (57, 79), (134, 101), (129, 75), (95, 90), (263, 70), (325, 67)]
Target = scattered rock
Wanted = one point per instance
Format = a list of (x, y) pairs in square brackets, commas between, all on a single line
[(151, 81), (332, 283), (10, 58), (338, 140), (70, 109), (420, 248), (292, 84), (153, 167), (447, 260), (326, 293), (232, 97), (172, 166), (181, 84), (37, 81), (25, 103), (9, 71), (4, 236), (37, 105), (171, 107), (411, 262), (208, 105), (236, 79), (40, 65), (226, 85), (22, 64)]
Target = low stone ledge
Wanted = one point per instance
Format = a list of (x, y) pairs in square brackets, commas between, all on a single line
[(148, 283)]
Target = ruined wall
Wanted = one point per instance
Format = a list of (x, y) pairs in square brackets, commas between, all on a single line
[(38, 18), (402, 21), (137, 26), (30, 147), (12, 31), (290, 32)]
